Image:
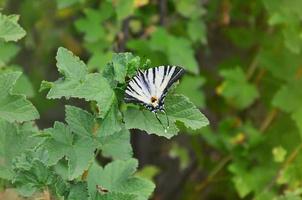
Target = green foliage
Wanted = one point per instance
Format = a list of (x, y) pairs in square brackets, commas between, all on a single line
[(14, 107), (236, 89), (79, 83), (10, 30), (62, 159), (117, 178), (243, 68)]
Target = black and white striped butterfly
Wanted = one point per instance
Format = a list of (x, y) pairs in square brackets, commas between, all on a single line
[(149, 88)]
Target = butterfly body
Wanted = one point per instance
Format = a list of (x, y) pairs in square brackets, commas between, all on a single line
[(149, 88)]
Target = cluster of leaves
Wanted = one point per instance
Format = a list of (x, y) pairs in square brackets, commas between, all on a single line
[(249, 56), (61, 160)]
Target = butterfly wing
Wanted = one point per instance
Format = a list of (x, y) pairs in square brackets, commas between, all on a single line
[(152, 83)]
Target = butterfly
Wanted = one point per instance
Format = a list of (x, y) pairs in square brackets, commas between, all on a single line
[(150, 87)]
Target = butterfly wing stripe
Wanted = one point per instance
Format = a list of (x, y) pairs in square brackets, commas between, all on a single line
[(138, 97), (130, 99), (150, 80), (129, 88), (143, 85), (139, 93), (144, 81), (154, 75), (140, 85), (176, 75), (167, 78)]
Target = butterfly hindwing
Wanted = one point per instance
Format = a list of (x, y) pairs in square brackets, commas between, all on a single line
[(150, 87)]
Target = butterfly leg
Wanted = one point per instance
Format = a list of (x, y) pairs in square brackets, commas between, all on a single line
[(167, 119), (155, 113)]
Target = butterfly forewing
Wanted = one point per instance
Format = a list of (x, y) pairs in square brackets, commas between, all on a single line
[(150, 87)]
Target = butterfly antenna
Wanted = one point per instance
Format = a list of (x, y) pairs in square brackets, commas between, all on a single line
[(160, 122)]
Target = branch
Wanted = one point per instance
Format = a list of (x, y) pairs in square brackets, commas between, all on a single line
[(162, 12)]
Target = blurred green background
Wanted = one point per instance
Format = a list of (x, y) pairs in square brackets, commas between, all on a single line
[(244, 71)]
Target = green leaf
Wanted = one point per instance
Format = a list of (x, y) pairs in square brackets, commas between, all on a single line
[(182, 154), (297, 117), (78, 191), (24, 86), (247, 180), (289, 97), (122, 63), (117, 177), (80, 121), (279, 154), (145, 120), (124, 8), (111, 122), (115, 196), (177, 49), (275, 58), (12, 136), (91, 25), (148, 172), (10, 30), (190, 86), (14, 107), (99, 59), (32, 177), (7, 52), (189, 8), (236, 89), (197, 31), (70, 65), (117, 146), (78, 83), (78, 150), (179, 108)]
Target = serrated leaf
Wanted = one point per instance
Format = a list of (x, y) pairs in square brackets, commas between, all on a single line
[(122, 63), (111, 123), (10, 30), (116, 146), (146, 121), (31, 175), (14, 107), (78, 150), (78, 191), (117, 177), (12, 136), (179, 108), (78, 83), (236, 89), (80, 121), (91, 24)]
